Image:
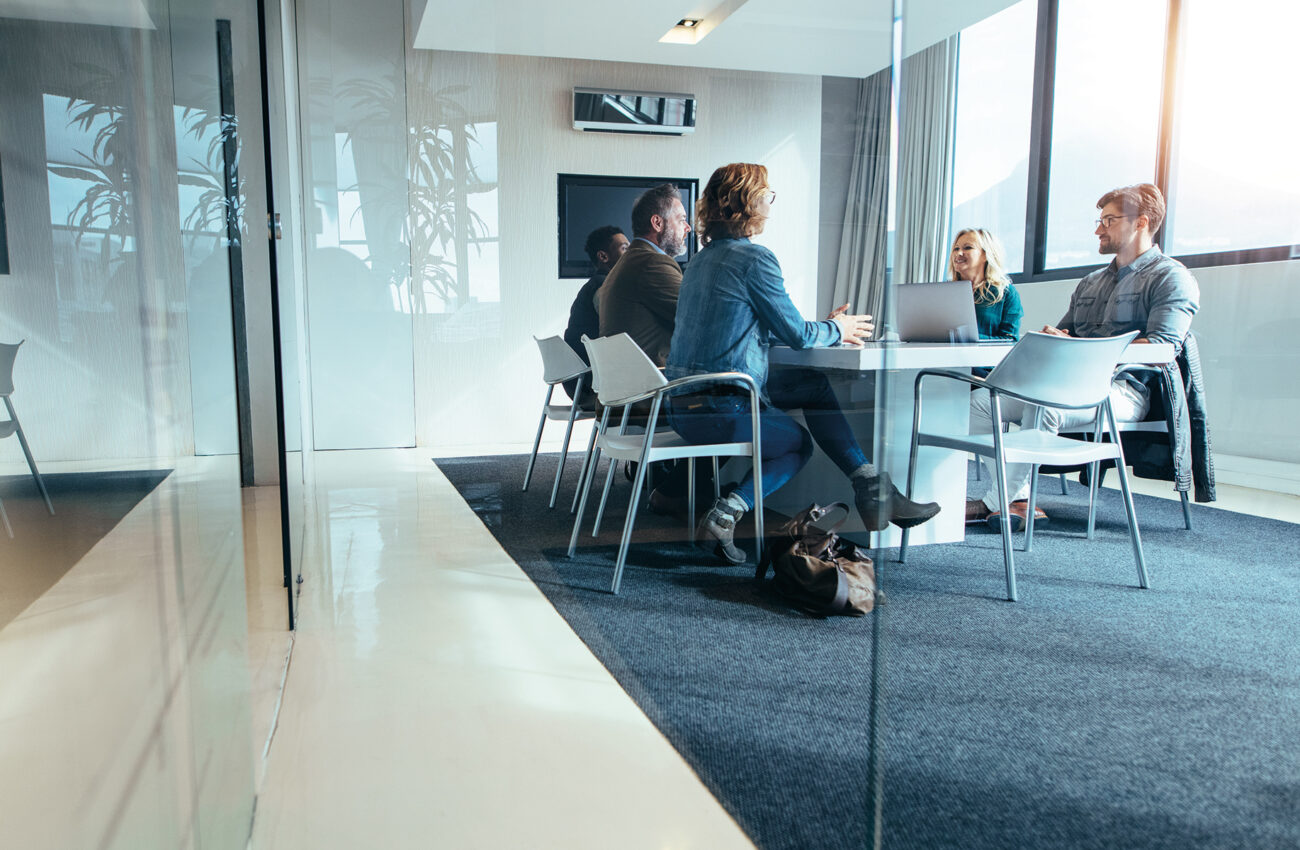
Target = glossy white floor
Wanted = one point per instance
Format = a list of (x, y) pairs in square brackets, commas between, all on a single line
[(436, 699)]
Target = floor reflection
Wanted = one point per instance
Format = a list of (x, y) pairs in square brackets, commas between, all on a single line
[(43, 547)]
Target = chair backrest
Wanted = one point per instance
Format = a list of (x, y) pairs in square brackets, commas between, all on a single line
[(8, 352), (1060, 371), (620, 369), (559, 361)]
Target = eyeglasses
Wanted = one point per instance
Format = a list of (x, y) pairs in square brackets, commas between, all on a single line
[(1107, 220), (771, 196)]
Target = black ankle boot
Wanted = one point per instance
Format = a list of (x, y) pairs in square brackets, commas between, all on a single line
[(879, 503)]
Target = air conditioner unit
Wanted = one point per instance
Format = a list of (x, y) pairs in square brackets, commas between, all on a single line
[(660, 113)]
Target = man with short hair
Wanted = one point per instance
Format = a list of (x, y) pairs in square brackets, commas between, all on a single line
[(639, 297), (1141, 290), (605, 245)]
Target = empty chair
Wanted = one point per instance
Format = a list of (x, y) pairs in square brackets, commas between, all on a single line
[(624, 375), (559, 364), (8, 353), (1055, 371)]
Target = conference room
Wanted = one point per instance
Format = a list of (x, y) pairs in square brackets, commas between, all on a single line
[(271, 575)]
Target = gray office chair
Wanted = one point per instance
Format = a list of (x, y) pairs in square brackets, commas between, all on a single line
[(1053, 371), (623, 376), (8, 353), (559, 364)]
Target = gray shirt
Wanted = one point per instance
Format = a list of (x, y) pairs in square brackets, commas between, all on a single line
[(1154, 294)]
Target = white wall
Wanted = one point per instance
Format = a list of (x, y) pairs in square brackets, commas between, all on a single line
[(1250, 351), (477, 371)]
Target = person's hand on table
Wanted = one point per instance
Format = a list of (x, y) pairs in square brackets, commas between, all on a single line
[(854, 330), (1048, 329)]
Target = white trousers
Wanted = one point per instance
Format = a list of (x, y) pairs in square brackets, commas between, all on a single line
[(1129, 404)]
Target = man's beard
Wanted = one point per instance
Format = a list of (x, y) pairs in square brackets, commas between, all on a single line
[(1107, 246), (673, 246)]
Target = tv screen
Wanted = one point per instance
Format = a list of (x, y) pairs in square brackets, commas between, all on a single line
[(588, 201)]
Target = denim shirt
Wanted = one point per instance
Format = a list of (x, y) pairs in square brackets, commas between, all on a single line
[(733, 307), (1157, 296)]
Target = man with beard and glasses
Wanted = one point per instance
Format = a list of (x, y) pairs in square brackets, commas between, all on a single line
[(1141, 290), (639, 298)]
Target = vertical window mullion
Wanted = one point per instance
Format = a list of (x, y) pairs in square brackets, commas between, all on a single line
[(1040, 141), (1168, 115)]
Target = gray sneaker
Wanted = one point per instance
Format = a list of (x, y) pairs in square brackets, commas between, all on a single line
[(719, 526)]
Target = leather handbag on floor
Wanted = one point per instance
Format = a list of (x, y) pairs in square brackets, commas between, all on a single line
[(816, 570)]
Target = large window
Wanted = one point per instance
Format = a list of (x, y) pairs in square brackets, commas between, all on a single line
[(1105, 117), (1059, 101), (995, 88), (1235, 183)]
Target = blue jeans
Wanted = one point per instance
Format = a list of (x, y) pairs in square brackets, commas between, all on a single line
[(787, 445)]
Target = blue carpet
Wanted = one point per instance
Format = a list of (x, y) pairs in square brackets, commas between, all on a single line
[(1091, 714)]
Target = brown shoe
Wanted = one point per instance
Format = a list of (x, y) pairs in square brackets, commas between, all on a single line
[(976, 511), (1019, 510)]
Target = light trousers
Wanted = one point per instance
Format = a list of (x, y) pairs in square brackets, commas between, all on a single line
[(1128, 403)]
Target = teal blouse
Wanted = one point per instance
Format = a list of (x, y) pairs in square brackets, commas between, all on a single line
[(1000, 319)]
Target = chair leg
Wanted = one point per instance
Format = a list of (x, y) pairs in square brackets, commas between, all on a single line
[(911, 483), (1122, 469), (717, 485), (537, 441), (1187, 511), (27, 453), (584, 488), (604, 496), (586, 462), (1029, 514), (1004, 508), (914, 448), (690, 499), (1065, 491), (4, 517), (637, 483), (1134, 534), (564, 453), (1093, 483)]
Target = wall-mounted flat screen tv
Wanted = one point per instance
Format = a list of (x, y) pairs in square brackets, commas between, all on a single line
[(588, 201)]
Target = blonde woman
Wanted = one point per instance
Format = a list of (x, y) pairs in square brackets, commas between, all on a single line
[(733, 304), (977, 257)]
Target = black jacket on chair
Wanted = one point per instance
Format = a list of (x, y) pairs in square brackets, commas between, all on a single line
[(1183, 455)]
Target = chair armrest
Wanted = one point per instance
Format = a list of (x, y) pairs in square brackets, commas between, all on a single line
[(713, 378), (709, 378), (965, 377)]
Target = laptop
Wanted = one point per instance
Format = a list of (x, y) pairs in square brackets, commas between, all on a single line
[(936, 312)]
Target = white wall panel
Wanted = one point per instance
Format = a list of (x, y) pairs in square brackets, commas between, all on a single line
[(358, 266), (477, 371)]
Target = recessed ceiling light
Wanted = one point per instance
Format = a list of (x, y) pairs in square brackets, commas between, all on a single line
[(689, 22)]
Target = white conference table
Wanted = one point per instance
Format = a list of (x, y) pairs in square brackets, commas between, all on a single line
[(879, 377)]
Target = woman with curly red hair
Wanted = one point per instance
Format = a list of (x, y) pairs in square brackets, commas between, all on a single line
[(732, 307)]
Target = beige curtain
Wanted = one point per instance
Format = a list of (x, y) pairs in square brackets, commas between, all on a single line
[(926, 120), (860, 272)]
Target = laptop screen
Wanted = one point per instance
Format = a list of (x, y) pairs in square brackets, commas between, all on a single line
[(936, 312)]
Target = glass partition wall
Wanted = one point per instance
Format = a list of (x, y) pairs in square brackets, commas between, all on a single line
[(123, 623)]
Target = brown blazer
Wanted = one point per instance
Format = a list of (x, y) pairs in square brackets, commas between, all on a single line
[(639, 298)]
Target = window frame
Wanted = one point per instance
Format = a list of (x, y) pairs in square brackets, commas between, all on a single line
[(1040, 157)]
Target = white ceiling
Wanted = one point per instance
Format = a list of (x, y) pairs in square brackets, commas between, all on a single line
[(113, 13), (846, 38)]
